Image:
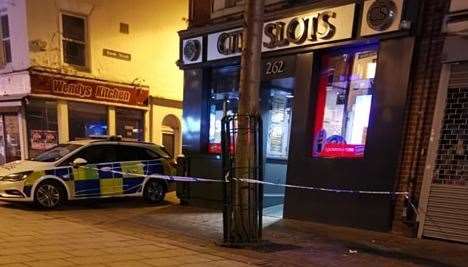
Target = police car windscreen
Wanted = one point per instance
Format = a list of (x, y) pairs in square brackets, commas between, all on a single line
[(56, 153)]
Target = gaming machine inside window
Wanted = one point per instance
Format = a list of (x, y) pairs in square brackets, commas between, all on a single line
[(344, 100)]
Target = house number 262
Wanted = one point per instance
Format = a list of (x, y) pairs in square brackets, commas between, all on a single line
[(275, 67)]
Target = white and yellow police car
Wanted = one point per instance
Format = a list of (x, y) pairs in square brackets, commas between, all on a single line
[(88, 169)]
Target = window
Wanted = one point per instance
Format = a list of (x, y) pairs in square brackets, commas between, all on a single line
[(223, 4), (133, 153), (223, 101), (6, 38), (56, 153), (86, 120), (221, 8), (344, 103), (74, 40), (129, 123), (42, 126), (97, 154), (233, 3)]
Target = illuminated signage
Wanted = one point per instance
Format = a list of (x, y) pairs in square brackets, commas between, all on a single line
[(318, 26), (88, 89)]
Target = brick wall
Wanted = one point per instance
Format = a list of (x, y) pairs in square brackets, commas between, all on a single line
[(421, 102)]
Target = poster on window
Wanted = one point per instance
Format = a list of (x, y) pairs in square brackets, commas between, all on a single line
[(278, 128), (43, 139)]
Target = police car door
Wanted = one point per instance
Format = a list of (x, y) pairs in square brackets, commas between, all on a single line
[(96, 178), (131, 170)]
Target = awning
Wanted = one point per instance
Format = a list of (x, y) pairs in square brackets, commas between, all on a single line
[(11, 103)]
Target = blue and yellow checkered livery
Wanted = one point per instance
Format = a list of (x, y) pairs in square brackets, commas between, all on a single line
[(101, 180)]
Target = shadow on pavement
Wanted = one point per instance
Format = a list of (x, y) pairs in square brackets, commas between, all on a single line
[(90, 204)]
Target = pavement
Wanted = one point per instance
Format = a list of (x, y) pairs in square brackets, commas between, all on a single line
[(130, 232)]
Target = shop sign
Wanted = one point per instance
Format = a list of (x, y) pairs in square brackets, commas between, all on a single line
[(192, 50), (380, 16), (88, 89), (315, 27)]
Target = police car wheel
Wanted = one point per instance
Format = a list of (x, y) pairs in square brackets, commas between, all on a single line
[(49, 195), (154, 191)]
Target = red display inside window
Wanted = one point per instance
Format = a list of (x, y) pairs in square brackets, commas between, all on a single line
[(343, 104)]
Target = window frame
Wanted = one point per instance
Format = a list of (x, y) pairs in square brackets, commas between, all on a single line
[(238, 7), (234, 70), (7, 57), (313, 115), (87, 65), (141, 120), (44, 105), (71, 103), (76, 154)]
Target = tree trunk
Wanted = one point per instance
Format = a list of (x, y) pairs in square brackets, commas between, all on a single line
[(245, 219)]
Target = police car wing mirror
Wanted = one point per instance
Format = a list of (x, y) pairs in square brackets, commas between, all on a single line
[(78, 162)]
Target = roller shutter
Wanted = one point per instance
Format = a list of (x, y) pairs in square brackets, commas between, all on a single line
[(447, 208)]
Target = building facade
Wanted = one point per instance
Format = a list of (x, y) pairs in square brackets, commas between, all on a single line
[(348, 95), (72, 69), (442, 183)]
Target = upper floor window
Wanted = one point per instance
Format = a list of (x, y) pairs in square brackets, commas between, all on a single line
[(221, 8), (74, 41), (218, 5), (6, 39)]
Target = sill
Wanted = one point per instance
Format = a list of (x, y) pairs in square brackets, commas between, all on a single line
[(226, 12), (77, 67), (237, 9)]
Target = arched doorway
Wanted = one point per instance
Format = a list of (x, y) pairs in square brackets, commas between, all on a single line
[(171, 134)]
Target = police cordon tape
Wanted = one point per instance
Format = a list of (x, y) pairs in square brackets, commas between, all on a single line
[(252, 181), (196, 179)]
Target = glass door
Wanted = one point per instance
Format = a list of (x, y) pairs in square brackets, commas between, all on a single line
[(10, 149), (2, 142), (277, 103)]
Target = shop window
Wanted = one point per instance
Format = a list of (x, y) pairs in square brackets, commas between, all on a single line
[(41, 117), (86, 120), (6, 39), (129, 123), (224, 98), (343, 107), (74, 40)]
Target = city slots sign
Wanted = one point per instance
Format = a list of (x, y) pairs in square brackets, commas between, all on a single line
[(315, 27)]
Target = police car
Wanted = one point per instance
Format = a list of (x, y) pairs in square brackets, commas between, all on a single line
[(88, 169)]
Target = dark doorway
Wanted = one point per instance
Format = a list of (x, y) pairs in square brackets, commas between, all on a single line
[(169, 143), (9, 138), (277, 101)]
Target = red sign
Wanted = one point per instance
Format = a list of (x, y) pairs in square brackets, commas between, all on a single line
[(88, 89), (342, 151)]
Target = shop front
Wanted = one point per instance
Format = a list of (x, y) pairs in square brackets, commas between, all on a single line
[(333, 95), (60, 108), (444, 192)]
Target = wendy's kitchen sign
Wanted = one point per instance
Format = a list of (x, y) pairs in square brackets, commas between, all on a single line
[(88, 89), (310, 28)]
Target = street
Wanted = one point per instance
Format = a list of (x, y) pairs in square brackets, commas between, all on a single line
[(129, 232)]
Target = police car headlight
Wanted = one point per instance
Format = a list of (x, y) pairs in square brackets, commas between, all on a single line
[(16, 177)]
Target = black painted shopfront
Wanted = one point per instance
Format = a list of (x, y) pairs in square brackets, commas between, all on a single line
[(333, 97)]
